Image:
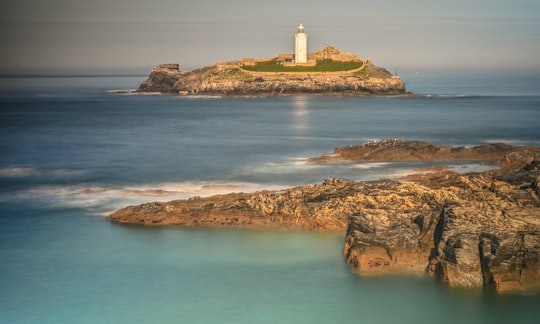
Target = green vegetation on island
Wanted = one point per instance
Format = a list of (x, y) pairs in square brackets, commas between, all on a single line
[(325, 65)]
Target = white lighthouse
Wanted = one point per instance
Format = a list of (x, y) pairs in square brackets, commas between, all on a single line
[(300, 50)]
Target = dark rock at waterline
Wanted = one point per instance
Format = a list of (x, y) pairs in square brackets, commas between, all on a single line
[(403, 150)]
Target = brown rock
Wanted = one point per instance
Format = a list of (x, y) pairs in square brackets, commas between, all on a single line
[(229, 79), (162, 79), (484, 232), (403, 150), (474, 230)]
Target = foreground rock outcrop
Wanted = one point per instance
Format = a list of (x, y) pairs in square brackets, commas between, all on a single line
[(466, 230), (480, 232), (230, 79), (323, 206)]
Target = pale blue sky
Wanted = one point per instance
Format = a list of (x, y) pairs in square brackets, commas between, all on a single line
[(121, 36)]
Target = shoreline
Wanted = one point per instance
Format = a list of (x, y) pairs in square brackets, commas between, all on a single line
[(494, 156), (472, 229), (230, 79), (136, 92)]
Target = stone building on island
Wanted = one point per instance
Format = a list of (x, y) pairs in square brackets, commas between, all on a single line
[(300, 56)]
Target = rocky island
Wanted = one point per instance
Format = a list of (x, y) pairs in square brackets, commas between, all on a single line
[(329, 72), (230, 79), (465, 230)]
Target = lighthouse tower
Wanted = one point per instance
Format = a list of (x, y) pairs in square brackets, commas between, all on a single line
[(300, 50)]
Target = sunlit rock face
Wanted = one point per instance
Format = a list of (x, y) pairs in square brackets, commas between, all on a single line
[(479, 230), (229, 79), (465, 230)]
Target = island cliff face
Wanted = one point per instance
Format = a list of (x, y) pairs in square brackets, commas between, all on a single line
[(465, 230), (230, 79)]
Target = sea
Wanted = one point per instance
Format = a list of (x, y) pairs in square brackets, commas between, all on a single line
[(72, 151)]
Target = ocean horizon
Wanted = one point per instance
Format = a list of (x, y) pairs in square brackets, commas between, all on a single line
[(72, 152)]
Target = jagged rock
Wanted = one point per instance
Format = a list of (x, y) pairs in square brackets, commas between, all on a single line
[(323, 206), (333, 53), (490, 247), (484, 232), (162, 79), (473, 230)]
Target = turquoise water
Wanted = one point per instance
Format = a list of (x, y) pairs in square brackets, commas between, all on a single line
[(85, 270), (70, 153), (73, 269)]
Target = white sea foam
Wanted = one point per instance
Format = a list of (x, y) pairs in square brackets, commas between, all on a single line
[(17, 171), (403, 173), (122, 91), (132, 92), (370, 165), (503, 140), (457, 168), (102, 200), (472, 167), (446, 96), (23, 171), (202, 97), (298, 158), (286, 167)]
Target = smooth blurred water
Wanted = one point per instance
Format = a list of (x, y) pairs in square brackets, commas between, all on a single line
[(70, 153)]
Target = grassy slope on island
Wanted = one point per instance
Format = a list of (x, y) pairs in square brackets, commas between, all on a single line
[(321, 66)]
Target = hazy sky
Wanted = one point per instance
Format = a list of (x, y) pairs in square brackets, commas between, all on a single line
[(121, 36)]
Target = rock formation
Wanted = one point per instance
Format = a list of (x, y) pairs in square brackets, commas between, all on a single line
[(333, 53), (402, 150), (230, 79), (162, 79), (466, 230)]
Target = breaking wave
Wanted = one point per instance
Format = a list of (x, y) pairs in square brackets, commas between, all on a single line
[(17, 172), (447, 96), (370, 165), (102, 200)]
